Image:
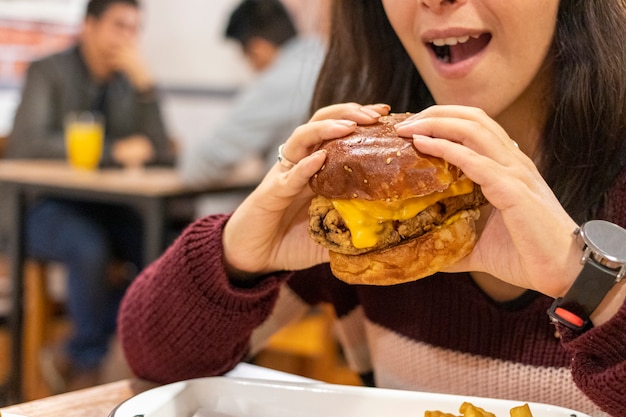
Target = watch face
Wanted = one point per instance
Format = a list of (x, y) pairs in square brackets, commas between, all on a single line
[(606, 240)]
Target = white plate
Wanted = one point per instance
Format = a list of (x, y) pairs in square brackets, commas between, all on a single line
[(242, 397)]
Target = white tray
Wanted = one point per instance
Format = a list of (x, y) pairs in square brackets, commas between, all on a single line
[(242, 397)]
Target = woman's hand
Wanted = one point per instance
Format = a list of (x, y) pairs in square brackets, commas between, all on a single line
[(269, 231), (527, 240)]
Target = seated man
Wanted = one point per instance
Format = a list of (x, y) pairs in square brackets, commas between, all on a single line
[(268, 110), (99, 243)]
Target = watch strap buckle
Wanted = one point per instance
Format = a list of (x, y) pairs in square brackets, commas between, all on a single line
[(560, 314)]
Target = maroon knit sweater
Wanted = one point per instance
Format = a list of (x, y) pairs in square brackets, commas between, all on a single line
[(182, 319)]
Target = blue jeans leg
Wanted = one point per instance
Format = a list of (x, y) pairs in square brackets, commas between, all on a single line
[(86, 237)]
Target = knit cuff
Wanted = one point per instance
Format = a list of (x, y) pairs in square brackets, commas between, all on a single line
[(211, 278), (605, 341)]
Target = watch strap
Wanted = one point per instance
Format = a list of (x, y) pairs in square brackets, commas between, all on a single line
[(589, 289)]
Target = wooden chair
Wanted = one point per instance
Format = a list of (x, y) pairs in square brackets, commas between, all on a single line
[(39, 318), (42, 322)]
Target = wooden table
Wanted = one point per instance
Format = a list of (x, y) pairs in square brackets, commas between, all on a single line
[(101, 400), (98, 401), (149, 191)]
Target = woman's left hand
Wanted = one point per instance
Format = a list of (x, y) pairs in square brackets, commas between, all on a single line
[(528, 238)]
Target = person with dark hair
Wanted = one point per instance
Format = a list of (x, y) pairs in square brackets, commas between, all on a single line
[(536, 117), (103, 73), (260, 21), (268, 109)]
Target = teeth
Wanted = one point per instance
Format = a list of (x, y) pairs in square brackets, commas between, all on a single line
[(452, 40)]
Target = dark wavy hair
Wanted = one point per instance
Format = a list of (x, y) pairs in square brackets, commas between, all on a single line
[(583, 145)]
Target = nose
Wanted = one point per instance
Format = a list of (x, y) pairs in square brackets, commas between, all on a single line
[(437, 6)]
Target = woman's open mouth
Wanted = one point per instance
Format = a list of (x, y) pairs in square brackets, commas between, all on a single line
[(459, 48)]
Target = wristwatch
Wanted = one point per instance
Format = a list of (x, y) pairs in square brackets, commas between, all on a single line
[(604, 260)]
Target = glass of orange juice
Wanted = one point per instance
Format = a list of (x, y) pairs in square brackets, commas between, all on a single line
[(84, 138)]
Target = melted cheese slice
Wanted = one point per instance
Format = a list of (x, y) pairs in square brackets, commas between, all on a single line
[(366, 219)]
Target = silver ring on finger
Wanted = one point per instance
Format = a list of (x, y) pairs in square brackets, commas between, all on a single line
[(284, 161)]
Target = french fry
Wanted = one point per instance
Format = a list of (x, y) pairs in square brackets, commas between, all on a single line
[(437, 414), (468, 409), (521, 411)]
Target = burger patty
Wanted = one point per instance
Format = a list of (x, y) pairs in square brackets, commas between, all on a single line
[(328, 229)]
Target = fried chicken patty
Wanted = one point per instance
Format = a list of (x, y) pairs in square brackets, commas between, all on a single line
[(327, 227)]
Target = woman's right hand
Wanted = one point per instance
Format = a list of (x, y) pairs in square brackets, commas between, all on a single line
[(269, 230)]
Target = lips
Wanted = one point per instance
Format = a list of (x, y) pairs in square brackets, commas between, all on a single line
[(452, 50)]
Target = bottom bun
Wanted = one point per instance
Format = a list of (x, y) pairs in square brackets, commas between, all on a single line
[(410, 261)]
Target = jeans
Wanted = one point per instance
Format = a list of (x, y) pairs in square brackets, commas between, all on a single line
[(86, 237)]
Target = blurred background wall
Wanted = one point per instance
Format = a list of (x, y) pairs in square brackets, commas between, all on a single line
[(197, 70)]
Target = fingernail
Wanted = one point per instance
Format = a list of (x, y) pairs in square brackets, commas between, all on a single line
[(402, 124), (344, 122), (370, 112), (384, 106), (411, 120)]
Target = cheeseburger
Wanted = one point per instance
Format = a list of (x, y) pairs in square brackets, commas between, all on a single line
[(387, 213)]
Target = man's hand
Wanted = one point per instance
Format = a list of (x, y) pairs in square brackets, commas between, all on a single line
[(133, 151), (128, 60)]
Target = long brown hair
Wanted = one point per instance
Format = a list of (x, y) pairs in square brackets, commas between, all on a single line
[(583, 146)]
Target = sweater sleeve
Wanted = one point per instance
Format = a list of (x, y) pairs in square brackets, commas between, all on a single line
[(131, 112), (37, 128), (181, 318), (599, 362), (599, 357), (150, 122)]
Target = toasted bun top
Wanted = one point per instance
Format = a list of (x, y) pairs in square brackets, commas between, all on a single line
[(374, 163)]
